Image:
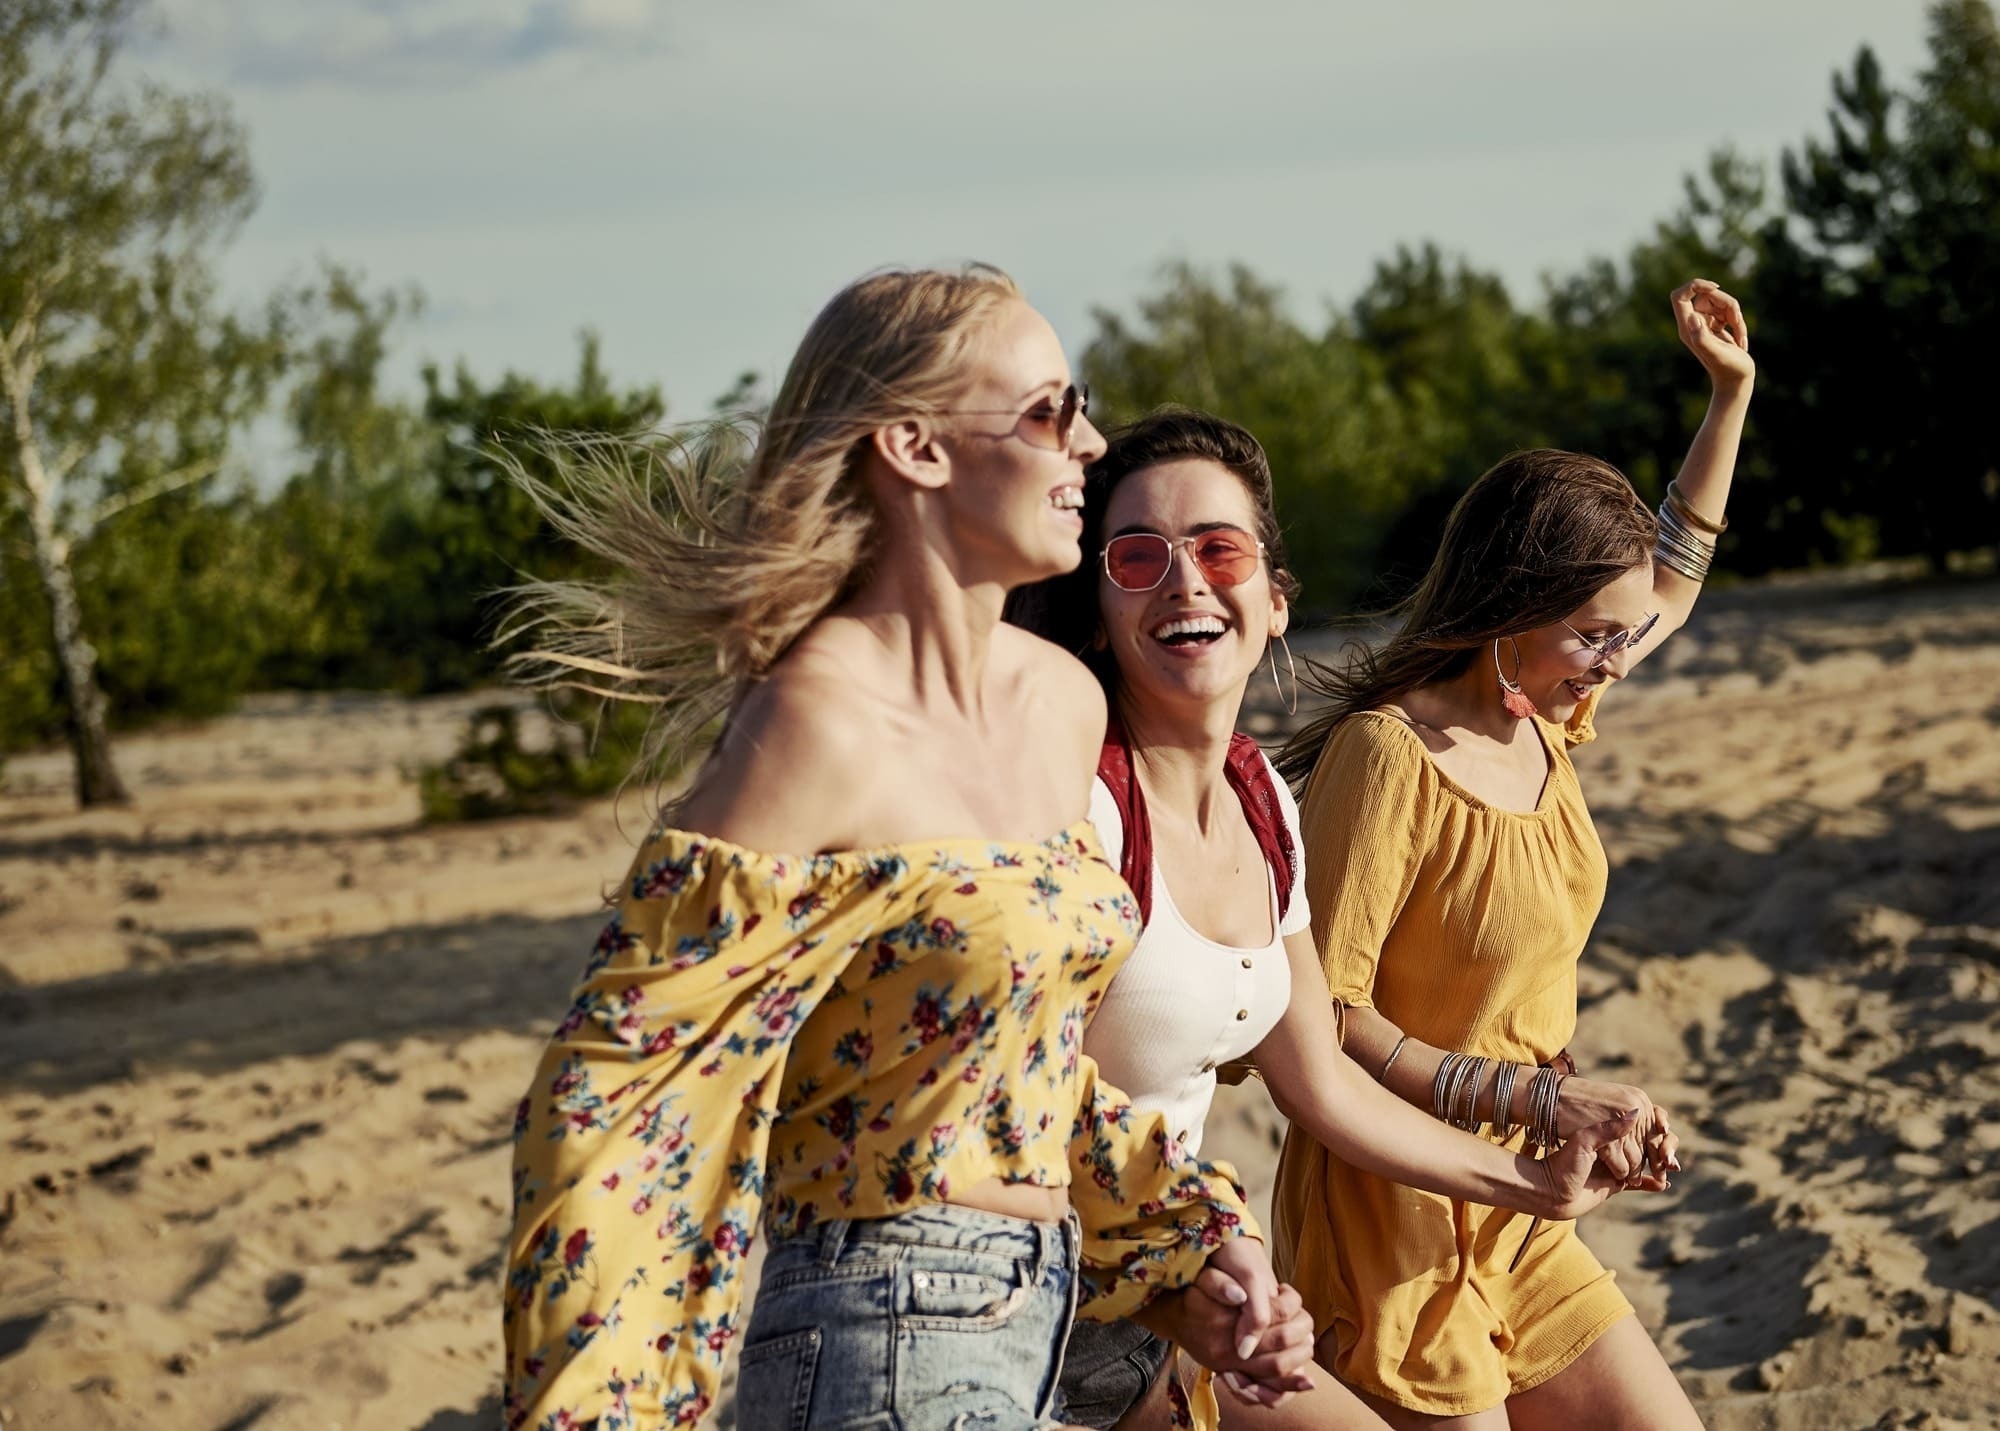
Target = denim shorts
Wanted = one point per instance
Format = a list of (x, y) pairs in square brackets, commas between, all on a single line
[(1107, 1370), (937, 1319)]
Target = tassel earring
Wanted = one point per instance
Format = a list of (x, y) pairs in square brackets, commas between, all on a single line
[(1511, 695)]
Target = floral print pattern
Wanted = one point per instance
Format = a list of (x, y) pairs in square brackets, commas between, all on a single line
[(786, 1039)]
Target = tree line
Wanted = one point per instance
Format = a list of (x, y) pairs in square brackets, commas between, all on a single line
[(1870, 271), (144, 572)]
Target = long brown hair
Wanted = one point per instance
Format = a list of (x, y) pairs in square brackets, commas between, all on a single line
[(727, 541), (1537, 536), (1063, 609)]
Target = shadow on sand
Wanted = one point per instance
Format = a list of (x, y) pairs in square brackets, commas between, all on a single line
[(443, 983), (1882, 950)]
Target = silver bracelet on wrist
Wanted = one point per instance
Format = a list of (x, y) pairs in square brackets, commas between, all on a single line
[(1461, 1062), (1456, 1092), (1440, 1110), (1390, 1062), (1469, 1118), (1503, 1100), (1543, 1094)]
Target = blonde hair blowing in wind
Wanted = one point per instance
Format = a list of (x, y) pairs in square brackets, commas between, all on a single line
[(726, 541)]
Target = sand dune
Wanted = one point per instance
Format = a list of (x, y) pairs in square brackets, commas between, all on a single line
[(262, 1036)]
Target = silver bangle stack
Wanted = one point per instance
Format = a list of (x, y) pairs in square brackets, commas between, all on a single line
[(1686, 542), (1455, 1090), (1455, 1094), (1455, 1098), (1544, 1098)]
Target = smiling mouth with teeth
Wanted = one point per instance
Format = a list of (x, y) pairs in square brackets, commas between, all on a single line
[(1067, 499), (1189, 631)]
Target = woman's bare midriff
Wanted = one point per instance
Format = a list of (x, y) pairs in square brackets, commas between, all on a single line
[(1037, 1204)]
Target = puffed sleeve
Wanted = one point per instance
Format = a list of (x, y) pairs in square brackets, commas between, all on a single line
[(1366, 810), (639, 1150), (1151, 1215)]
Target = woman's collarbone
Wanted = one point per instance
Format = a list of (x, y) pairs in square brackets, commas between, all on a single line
[(1223, 896)]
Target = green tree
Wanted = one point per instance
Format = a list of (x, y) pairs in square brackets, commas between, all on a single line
[(473, 532), (1373, 425), (1888, 281), (121, 381), (1320, 406), (1614, 380), (366, 468), (1456, 356)]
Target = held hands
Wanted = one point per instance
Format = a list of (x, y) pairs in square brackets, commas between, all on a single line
[(1643, 1155), (1711, 325), (1241, 1322), (1589, 1167)]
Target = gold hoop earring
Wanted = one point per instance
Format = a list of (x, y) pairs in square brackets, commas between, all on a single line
[(1293, 666)]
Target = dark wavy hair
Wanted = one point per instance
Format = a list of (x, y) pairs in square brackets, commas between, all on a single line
[(1063, 609), (1537, 536)]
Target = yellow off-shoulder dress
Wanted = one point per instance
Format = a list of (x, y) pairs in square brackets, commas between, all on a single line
[(845, 1035), (1462, 924)]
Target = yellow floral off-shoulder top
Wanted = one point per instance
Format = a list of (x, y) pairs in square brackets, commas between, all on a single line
[(843, 1035)]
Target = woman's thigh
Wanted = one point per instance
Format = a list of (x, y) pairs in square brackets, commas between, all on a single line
[(1329, 1406), (1401, 1418), (1621, 1383)]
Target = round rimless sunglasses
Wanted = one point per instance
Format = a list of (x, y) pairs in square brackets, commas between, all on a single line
[(1055, 416), (1140, 561), (1603, 648)]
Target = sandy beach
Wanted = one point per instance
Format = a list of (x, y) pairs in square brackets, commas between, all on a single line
[(263, 1035)]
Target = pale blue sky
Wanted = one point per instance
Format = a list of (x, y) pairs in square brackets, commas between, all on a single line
[(694, 179)]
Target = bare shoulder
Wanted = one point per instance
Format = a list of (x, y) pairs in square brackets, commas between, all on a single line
[(1062, 695), (1068, 678), (791, 767)]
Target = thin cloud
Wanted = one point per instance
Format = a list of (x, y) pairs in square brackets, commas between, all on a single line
[(397, 43)]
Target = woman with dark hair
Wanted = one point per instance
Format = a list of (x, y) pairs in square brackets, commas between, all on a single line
[(1186, 599), (1454, 875), (844, 996)]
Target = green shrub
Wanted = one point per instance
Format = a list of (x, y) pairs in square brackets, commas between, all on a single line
[(495, 774)]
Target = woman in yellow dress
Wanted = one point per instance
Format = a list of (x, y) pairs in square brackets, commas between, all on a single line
[(845, 994), (1454, 875)]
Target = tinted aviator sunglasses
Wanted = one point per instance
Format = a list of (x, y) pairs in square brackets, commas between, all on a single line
[(1058, 415), (1140, 561)]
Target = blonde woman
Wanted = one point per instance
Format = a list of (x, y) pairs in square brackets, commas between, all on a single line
[(846, 991)]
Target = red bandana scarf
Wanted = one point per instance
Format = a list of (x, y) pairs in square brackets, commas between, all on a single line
[(1248, 776)]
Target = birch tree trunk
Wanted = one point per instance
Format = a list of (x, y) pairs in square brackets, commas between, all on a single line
[(97, 781), (120, 378)]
